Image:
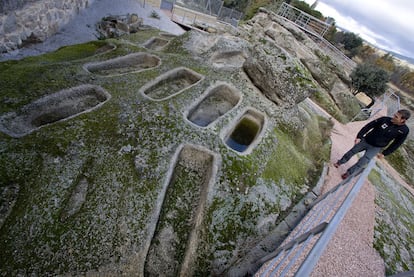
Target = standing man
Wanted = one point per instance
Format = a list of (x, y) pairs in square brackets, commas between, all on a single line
[(373, 137)]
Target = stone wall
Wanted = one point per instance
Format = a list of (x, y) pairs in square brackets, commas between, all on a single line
[(11, 5), (154, 3), (29, 21)]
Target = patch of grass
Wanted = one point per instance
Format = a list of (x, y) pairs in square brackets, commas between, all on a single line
[(326, 103), (351, 106), (25, 82), (176, 47), (306, 152), (398, 161), (322, 57), (73, 52), (403, 162), (286, 155), (179, 216), (252, 9), (393, 220), (140, 37)]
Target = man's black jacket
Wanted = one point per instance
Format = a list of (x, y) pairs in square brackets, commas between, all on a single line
[(381, 132)]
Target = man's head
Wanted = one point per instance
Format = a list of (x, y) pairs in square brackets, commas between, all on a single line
[(401, 117)]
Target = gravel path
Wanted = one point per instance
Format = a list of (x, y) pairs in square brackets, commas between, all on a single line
[(350, 252)]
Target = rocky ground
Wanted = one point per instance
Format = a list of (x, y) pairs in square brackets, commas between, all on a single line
[(99, 176), (93, 208)]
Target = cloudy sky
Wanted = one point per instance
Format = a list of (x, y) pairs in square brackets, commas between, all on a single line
[(388, 24)]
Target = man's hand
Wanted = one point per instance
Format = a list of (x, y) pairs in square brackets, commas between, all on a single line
[(357, 140), (380, 155)]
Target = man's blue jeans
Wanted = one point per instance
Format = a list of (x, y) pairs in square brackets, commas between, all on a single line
[(370, 152)]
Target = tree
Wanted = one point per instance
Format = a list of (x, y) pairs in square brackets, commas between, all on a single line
[(303, 6), (236, 4), (253, 7), (367, 53), (386, 62), (351, 42), (370, 79), (407, 81), (399, 74)]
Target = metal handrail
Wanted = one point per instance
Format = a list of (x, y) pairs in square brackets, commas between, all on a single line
[(285, 9), (324, 228), (404, 274), (313, 257), (283, 12), (374, 110)]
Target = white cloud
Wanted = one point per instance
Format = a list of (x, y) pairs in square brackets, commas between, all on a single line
[(387, 24)]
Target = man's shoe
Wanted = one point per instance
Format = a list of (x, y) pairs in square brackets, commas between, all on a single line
[(336, 165), (345, 175)]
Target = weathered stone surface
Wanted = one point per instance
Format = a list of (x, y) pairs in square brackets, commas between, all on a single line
[(206, 45), (115, 26), (124, 152), (349, 104), (8, 195), (41, 18), (324, 77), (10, 23), (272, 70), (291, 40), (268, 26)]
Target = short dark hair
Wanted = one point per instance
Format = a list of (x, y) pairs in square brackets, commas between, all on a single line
[(405, 114)]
